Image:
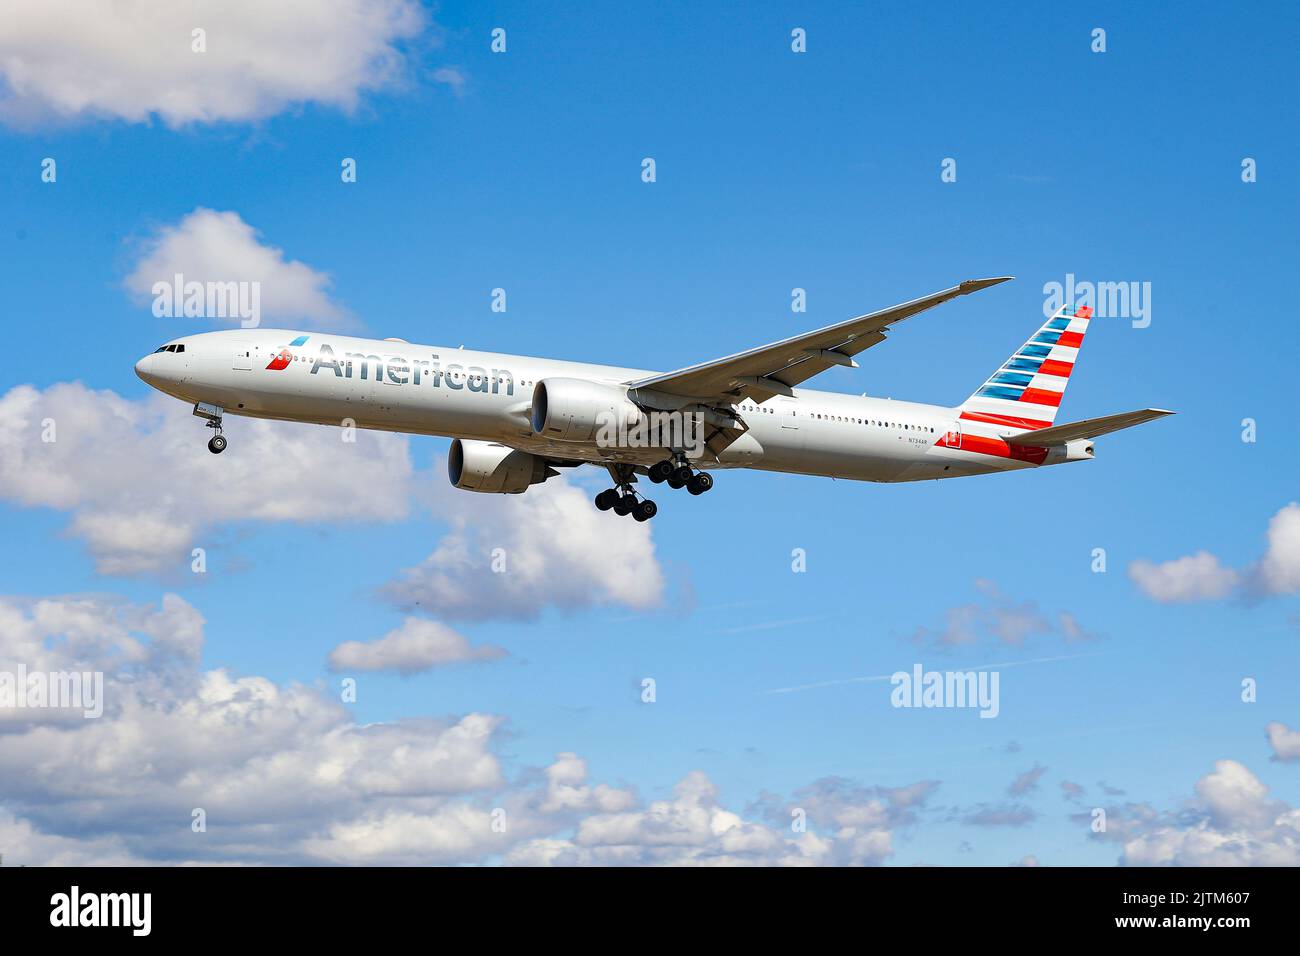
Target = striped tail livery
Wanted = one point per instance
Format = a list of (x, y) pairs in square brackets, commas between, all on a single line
[(1012, 416), (1027, 390)]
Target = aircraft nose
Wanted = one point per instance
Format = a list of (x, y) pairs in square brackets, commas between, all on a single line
[(145, 369)]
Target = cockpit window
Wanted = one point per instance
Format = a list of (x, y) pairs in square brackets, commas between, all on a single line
[(169, 348)]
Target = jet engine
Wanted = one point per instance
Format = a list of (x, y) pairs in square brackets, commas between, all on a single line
[(494, 469), (1080, 449), (572, 409)]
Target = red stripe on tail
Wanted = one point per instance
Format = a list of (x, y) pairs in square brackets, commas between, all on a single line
[(1011, 420)]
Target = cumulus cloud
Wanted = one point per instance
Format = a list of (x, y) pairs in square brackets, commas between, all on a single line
[(1278, 572), (1231, 822), (1284, 741), (417, 645), (152, 492), (1201, 576), (285, 775), (858, 823), (24, 844), (691, 829), (514, 555), (135, 59), (1195, 577), (207, 246), (250, 752), (141, 488)]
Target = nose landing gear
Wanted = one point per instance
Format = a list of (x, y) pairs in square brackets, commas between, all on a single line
[(213, 413)]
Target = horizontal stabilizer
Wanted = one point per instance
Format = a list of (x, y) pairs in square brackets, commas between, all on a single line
[(1089, 428)]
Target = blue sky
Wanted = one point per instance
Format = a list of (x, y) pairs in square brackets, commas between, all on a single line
[(775, 170)]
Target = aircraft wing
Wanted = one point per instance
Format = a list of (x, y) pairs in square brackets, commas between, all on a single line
[(1088, 428), (773, 369)]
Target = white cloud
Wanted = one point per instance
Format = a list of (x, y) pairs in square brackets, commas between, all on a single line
[(285, 775), (691, 829), (552, 546), (250, 752), (1232, 822), (1284, 741), (133, 59), (1278, 572), (24, 844), (1195, 577), (142, 489), (207, 246), (417, 645), (1201, 576), (567, 789)]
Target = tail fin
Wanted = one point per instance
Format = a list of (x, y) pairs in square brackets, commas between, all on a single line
[(1026, 391)]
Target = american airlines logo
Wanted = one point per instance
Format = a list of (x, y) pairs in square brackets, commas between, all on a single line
[(398, 370), (282, 360)]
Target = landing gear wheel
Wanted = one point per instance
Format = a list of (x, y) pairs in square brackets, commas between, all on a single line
[(682, 474), (661, 471), (700, 483), (674, 483), (605, 500), (217, 444), (645, 510), (625, 504)]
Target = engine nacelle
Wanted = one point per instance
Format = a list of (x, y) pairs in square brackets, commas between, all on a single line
[(1078, 450), (571, 409), (494, 469)]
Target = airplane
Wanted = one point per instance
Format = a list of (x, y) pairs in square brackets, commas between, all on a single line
[(514, 420)]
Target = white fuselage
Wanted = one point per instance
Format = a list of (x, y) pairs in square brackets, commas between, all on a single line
[(457, 393)]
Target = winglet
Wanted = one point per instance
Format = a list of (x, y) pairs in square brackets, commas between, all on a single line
[(975, 285)]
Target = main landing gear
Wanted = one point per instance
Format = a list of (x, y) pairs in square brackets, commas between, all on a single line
[(626, 503), (217, 443), (678, 474), (622, 500)]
